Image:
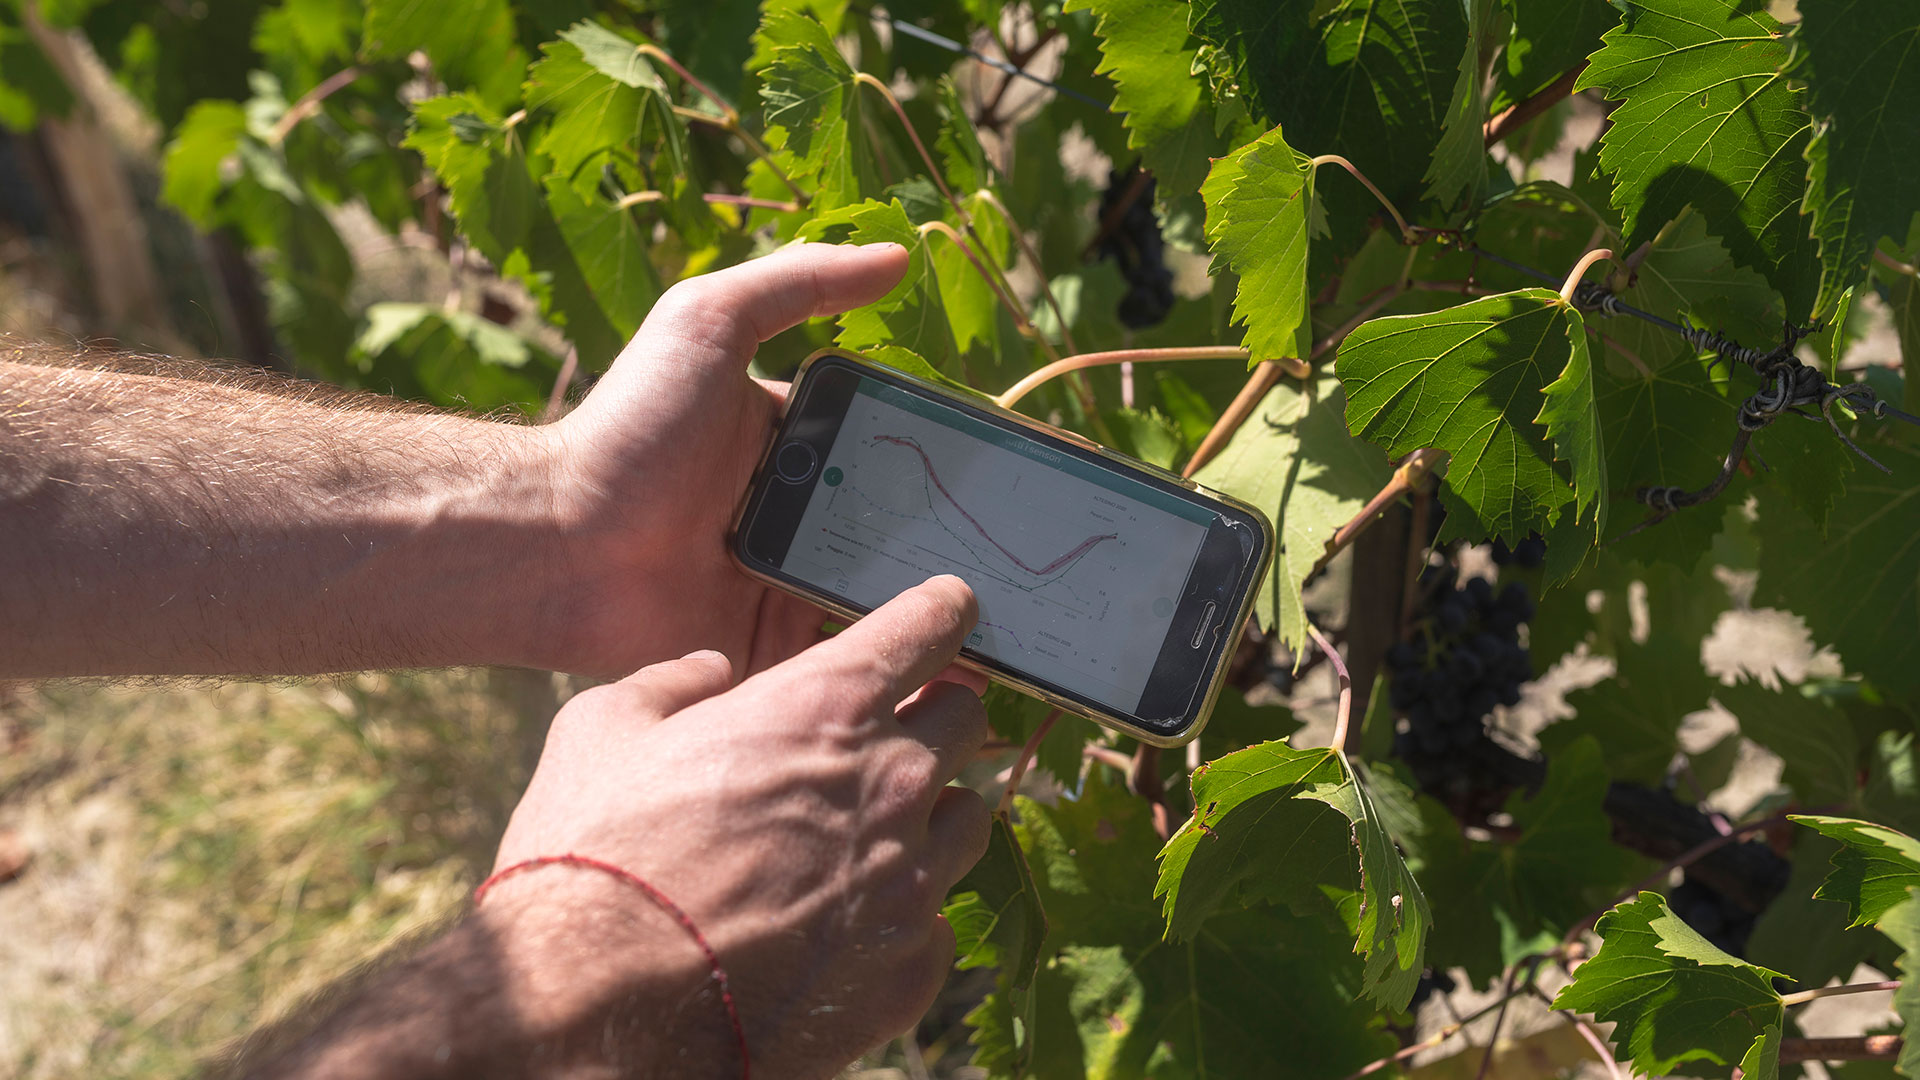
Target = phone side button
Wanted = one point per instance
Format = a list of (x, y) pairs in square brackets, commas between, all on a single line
[(1206, 620)]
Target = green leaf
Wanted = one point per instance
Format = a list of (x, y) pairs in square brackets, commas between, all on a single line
[(471, 42), (966, 163), (1572, 418), (913, 314), (1460, 158), (1469, 380), (1565, 852), (451, 358), (1870, 611), (815, 110), (598, 119), (197, 156), (1294, 459), (1872, 871), (1549, 37), (1902, 924), (1672, 996), (1255, 837), (1861, 65), (583, 258), (1689, 274), (30, 86), (1117, 1000), (1259, 212), (1708, 119), (1368, 79), (1815, 740), (1146, 434), (713, 38), (998, 922), (1146, 50), (1667, 429)]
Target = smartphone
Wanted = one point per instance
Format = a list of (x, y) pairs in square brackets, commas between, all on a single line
[(1107, 587)]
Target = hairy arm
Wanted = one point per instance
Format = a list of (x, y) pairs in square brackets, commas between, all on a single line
[(182, 520)]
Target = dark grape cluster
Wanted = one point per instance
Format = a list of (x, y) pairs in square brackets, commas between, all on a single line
[(1463, 659), (1716, 918), (1528, 554), (1135, 243)]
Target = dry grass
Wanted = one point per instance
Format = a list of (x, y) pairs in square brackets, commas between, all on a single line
[(206, 856)]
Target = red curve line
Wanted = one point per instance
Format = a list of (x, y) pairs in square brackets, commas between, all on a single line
[(1085, 545)]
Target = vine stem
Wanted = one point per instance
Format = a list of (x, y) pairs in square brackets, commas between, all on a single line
[(1500, 1018), (557, 400), (1268, 372), (705, 91), (728, 120), (1007, 300), (1580, 270), (310, 102), (1406, 234), (1344, 714), (1859, 1048), (1805, 996), (1895, 265), (1413, 471), (1516, 116), (1019, 770), (1036, 379), (1106, 755)]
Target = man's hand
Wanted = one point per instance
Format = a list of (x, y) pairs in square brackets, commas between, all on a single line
[(654, 462), (801, 820)]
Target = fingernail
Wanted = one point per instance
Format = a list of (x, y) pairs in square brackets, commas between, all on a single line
[(705, 654), (881, 244)]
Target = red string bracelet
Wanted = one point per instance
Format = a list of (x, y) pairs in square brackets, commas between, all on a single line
[(663, 902)]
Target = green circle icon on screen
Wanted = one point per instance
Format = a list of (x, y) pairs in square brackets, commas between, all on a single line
[(1162, 607), (834, 476)]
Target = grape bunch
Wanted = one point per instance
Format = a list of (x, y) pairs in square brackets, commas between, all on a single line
[(1463, 659), (1528, 554), (1135, 243)]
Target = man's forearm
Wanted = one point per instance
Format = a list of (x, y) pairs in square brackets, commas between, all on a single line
[(158, 525), (566, 977)]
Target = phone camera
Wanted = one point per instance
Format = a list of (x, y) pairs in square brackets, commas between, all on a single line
[(795, 461)]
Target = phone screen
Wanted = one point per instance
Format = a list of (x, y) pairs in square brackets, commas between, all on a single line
[(1087, 575)]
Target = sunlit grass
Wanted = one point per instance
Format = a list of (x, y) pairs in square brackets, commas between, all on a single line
[(204, 857)]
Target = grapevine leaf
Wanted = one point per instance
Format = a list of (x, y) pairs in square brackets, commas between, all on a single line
[(1146, 434), (1708, 119), (471, 42), (598, 117), (1565, 850), (968, 297), (1672, 996), (998, 922), (1902, 924), (503, 215), (1369, 80), (1862, 71), (815, 110), (1460, 158), (1252, 803), (1688, 273), (713, 38), (201, 145), (1115, 999), (913, 315), (1869, 612), (1572, 418), (1873, 869), (1669, 428), (1259, 216), (966, 163), (1549, 37), (1147, 52), (451, 358), (1469, 380), (1295, 460), (30, 86), (1815, 740)]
